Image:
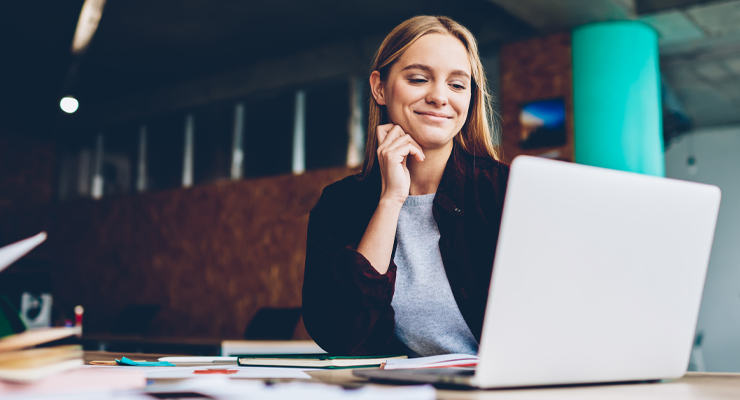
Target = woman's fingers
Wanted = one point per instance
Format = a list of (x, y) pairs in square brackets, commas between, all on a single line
[(414, 150), (389, 134), (383, 132), (403, 143)]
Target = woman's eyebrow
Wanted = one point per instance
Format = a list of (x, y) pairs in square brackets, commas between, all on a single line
[(427, 68)]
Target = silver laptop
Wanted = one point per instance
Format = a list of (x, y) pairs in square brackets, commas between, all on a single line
[(598, 278)]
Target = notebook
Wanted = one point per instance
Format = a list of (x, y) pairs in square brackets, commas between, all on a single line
[(317, 360)]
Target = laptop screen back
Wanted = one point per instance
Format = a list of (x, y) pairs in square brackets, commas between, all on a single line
[(598, 276)]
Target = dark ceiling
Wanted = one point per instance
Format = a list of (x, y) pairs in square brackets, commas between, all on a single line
[(144, 45)]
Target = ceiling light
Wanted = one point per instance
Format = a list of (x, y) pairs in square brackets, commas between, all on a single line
[(69, 104)]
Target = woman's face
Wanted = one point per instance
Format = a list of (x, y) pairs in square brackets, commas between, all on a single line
[(427, 91)]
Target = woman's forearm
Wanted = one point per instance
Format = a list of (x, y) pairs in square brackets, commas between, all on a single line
[(377, 243)]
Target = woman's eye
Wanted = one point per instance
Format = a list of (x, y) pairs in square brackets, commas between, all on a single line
[(457, 86), (417, 80)]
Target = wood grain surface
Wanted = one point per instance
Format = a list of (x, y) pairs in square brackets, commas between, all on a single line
[(209, 256)]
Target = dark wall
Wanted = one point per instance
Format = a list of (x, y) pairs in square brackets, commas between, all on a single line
[(536, 69), (26, 185), (210, 256)]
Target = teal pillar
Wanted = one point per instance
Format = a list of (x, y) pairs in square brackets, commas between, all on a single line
[(616, 97)]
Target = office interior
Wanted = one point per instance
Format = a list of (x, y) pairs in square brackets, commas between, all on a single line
[(176, 184)]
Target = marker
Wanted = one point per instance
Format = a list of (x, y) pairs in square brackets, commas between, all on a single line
[(78, 319)]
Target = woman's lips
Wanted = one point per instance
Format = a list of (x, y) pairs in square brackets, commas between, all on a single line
[(434, 116)]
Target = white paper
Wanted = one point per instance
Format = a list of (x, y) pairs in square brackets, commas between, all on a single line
[(223, 388), (12, 252), (241, 372), (445, 360), (200, 360)]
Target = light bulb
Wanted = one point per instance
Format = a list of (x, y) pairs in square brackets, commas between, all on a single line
[(69, 104)]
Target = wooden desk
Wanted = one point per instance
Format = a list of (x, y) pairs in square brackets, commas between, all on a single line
[(695, 385)]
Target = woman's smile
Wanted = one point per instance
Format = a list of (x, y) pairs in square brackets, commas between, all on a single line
[(434, 117)]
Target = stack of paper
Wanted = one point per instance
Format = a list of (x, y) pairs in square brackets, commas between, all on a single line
[(21, 362), (443, 361)]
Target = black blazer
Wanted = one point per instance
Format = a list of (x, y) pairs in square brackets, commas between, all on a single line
[(347, 303)]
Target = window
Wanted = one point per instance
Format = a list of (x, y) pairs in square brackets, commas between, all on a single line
[(214, 130), (327, 123), (165, 147), (268, 136), (120, 158)]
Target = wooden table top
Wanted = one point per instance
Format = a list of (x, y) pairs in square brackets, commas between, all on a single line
[(695, 385)]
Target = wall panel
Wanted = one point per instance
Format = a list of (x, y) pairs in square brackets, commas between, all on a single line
[(210, 256)]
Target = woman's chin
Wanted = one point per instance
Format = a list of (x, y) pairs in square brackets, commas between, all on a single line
[(433, 140)]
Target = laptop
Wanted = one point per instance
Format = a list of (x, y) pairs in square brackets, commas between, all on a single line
[(598, 278)]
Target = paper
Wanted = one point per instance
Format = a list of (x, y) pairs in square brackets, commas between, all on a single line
[(441, 361), (126, 361), (224, 388), (80, 380), (12, 252), (199, 360), (189, 372), (233, 372)]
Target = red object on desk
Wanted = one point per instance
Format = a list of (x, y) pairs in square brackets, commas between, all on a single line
[(78, 319), (215, 371)]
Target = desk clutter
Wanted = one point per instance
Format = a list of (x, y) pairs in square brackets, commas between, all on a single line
[(142, 377), (22, 361)]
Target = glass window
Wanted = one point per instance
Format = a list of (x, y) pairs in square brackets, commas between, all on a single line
[(214, 129), (268, 135), (120, 158), (165, 148), (75, 173), (327, 122)]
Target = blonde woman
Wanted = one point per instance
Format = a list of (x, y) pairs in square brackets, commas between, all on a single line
[(399, 258)]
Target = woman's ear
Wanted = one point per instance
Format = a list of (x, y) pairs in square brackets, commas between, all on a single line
[(377, 89)]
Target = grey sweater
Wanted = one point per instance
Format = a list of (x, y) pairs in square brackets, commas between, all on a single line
[(428, 320)]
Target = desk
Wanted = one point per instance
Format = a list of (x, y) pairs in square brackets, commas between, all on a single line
[(695, 385)]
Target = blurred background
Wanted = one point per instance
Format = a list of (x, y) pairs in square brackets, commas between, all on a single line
[(173, 149)]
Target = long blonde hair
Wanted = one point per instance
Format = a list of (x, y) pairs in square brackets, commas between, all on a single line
[(476, 135)]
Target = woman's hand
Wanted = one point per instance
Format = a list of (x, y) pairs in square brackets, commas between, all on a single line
[(394, 145)]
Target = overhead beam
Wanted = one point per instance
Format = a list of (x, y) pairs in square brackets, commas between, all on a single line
[(652, 6), (87, 24), (551, 16)]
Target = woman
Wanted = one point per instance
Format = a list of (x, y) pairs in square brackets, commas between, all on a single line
[(399, 258)]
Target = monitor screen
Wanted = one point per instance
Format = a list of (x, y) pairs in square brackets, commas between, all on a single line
[(542, 124)]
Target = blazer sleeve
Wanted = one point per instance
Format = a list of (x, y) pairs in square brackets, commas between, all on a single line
[(346, 302)]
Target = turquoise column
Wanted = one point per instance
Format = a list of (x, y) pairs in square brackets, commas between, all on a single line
[(616, 97)]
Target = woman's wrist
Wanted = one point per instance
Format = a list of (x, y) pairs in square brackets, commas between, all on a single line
[(392, 201)]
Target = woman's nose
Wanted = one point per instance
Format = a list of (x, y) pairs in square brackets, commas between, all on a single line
[(437, 95)]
